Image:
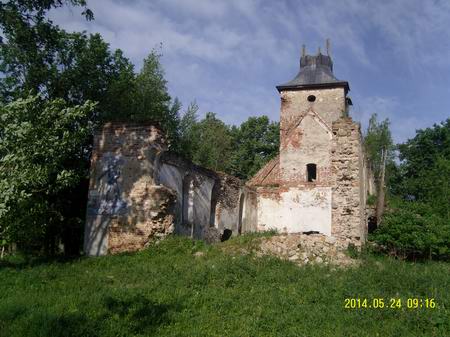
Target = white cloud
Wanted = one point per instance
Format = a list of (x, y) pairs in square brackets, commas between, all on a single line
[(229, 55)]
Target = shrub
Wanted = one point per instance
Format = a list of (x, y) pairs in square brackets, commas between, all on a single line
[(41, 160), (411, 230)]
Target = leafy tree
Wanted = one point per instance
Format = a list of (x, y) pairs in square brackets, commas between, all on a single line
[(256, 141), (152, 101), (418, 225), (237, 150), (211, 142), (40, 157), (30, 45), (38, 57), (379, 148), (187, 128), (425, 168)]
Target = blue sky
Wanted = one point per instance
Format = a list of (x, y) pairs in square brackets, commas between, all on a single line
[(228, 56)]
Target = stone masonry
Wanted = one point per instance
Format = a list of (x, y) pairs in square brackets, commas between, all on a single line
[(319, 181), (139, 193), (313, 193)]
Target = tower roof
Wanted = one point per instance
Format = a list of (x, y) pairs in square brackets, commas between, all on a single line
[(316, 71)]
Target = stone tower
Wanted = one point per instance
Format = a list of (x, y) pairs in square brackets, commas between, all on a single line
[(317, 182), (310, 103)]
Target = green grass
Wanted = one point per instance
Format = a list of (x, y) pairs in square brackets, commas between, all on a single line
[(167, 291)]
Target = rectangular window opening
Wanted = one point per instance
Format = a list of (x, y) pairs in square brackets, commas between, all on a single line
[(311, 172)]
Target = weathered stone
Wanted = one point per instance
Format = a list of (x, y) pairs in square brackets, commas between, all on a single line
[(314, 249), (317, 185), (211, 235)]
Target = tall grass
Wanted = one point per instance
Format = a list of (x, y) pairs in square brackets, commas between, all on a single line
[(166, 290)]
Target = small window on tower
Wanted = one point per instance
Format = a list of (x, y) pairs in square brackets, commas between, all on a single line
[(311, 171), (311, 98)]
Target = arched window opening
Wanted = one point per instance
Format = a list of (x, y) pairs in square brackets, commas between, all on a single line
[(214, 197), (311, 172), (241, 213)]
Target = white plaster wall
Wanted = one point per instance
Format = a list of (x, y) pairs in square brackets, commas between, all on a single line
[(296, 211), (172, 177), (202, 205)]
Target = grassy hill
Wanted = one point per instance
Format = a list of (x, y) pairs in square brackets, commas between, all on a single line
[(185, 288)]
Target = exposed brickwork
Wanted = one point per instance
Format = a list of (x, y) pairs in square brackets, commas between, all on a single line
[(346, 198), (139, 192), (230, 190), (126, 209), (150, 219)]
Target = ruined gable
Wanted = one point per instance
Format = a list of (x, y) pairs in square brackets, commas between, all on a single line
[(309, 142), (317, 185)]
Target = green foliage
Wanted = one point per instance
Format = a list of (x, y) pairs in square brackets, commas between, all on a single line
[(31, 46), (256, 141), (207, 142), (37, 57), (237, 150), (40, 159), (414, 230), (371, 200), (211, 143), (152, 101), (424, 173), (168, 291), (187, 145)]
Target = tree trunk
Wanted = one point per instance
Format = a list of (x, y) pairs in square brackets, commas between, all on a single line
[(381, 189)]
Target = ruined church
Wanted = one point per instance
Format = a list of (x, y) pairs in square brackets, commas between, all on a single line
[(140, 192)]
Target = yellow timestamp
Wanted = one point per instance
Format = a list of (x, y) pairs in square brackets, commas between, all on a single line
[(389, 303)]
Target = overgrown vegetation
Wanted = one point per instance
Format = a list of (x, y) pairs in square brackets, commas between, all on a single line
[(417, 223), (40, 153), (56, 87), (413, 230), (168, 291), (42, 65)]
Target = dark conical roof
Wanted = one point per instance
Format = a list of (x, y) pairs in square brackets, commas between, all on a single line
[(316, 71)]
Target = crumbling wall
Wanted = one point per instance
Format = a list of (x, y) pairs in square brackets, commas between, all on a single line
[(150, 219), (228, 203), (125, 210), (215, 196), (348, 198), (306, 249), (140, 193)]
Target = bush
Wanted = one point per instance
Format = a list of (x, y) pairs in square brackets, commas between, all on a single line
[(41, 163), (411, 230)]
